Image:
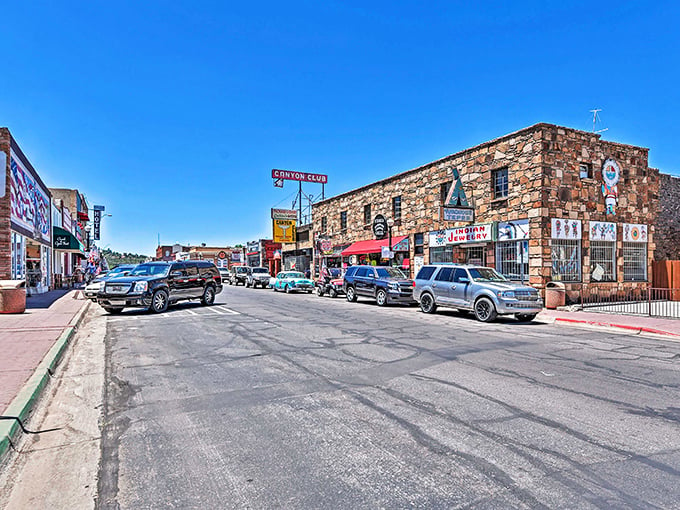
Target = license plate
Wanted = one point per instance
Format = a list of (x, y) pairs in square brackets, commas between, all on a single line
[(117, 302)]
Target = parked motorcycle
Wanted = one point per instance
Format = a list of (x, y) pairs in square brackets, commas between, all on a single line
[(330, 284)]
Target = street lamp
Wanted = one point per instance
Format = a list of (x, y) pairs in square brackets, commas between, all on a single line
[(390, 224)]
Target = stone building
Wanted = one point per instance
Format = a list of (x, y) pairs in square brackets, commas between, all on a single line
[(542, 204), (298, 255), (668, 223)]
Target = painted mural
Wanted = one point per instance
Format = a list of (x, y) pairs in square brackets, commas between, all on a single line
[(610, 178), (29, 203), (565, 229), (602, 231)]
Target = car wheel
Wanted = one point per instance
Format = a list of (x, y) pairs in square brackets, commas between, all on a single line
[(525, 317), (427, 304), (351, 295), (333, 293), (319, 291), (287, 289), (113, 310), (159, 301), (485, 311), (381, 297), (208, 297)]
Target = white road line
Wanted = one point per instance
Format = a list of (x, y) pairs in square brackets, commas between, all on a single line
[(229, 310), (191, 312), (216, 311)]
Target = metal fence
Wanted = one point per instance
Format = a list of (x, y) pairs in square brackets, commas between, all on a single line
[(647, 302)]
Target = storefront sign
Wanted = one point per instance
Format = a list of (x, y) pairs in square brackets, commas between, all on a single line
[(610, 178), (513, 230), (254, 247), (602, 231), (456, 196), (565, 229), (284, 214), (401, 245), (222, 255), (380, 226), (325, 247), (459, 214), (29, 202), (236, 256), (385, 252), (284, 231), (299, 176), (633, 233), (462, 235)]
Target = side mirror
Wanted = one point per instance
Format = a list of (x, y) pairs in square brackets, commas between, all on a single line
[(464, 280), (176, 274)]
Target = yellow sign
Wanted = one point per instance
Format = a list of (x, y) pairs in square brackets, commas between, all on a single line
[(284, 231)]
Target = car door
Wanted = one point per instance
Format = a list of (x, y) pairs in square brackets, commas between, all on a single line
[(441, 285), (459, 288), (177, 281), (361, 281), (194, 287)]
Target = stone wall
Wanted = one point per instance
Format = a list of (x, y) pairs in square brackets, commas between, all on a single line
[(668, 222), (5, 234)]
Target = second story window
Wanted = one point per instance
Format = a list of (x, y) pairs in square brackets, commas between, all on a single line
[(343, 220), (367, 214), (499, 183), (444, 189), (324, 224), (585, 171), (396, 208)]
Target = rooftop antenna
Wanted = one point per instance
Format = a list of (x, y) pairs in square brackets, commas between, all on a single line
[(596, 120)]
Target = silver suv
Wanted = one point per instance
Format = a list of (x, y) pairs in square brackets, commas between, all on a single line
[(474, 288), (258, 276)]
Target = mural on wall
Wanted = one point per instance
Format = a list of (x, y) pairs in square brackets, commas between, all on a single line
[(565, 229), (513, 230), (602, 231), (633, 233), (610, 177), (29, 203)]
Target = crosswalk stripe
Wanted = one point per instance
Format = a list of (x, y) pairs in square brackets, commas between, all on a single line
[(216, 311), (229, 310), (191, 312)]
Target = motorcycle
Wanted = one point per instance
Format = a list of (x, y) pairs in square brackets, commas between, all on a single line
[(330, 284)]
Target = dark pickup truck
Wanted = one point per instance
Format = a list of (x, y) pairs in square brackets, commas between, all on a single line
[(384, 284)]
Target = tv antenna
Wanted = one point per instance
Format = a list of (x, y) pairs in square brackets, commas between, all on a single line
[(596, 120)]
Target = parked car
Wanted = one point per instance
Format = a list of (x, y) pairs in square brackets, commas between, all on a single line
[(258, 276), (155, 285), (479, 289), (92, 288), (239, 274), (224, 273), (384, 284), (330, 283), (293, 281)]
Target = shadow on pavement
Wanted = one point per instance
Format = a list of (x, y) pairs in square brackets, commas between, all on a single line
[(45, 300)]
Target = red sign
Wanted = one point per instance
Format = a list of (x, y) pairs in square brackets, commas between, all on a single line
[(222, 254), (270, 248), (299, 176)]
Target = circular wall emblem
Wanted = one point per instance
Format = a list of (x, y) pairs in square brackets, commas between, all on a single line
[(611, 172), (222, 255), (379, 226), (635, 234)]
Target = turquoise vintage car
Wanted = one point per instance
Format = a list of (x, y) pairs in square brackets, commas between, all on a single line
[(292, 281)]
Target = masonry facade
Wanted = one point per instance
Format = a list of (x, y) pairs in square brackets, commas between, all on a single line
[(668, 224), (549, 203)]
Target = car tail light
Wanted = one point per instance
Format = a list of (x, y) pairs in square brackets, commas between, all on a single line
[(414, 283)]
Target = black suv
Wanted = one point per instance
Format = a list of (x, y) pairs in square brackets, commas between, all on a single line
[(384, 284), (155, 285)]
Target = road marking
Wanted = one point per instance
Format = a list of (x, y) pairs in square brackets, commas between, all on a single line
[(191, 312), (216, 311), (229, 310)]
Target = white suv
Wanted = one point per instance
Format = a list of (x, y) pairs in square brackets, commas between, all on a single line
[(258, 276)]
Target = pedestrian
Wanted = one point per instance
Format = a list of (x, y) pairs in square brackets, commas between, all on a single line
[(308, 273)]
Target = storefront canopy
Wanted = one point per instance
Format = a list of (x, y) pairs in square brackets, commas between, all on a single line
[(370, 246), (63, 240)]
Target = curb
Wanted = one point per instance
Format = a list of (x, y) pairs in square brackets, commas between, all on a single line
[(22, 405), (627, 327)]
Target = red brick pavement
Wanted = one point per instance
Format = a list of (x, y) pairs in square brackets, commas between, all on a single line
[(26, 338)]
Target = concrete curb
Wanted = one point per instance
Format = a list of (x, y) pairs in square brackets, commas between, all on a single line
[(23, 403), (626, 327)]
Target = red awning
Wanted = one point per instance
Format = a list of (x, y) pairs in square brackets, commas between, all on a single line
[(370, 246)]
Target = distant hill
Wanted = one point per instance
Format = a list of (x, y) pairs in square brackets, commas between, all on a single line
[(115, 258)]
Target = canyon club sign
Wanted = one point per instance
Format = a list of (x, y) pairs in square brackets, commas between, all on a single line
[(289, 175)]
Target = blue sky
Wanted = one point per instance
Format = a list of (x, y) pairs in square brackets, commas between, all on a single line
[(173, 113)]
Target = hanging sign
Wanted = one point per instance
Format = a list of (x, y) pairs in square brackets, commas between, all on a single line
[(513, 230), (284, 231), (380, 226), (284, 214), (602, 231), (633, 233), (299, 176), (565, 229)]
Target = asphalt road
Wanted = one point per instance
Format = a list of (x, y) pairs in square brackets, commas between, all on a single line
[(268, 400)]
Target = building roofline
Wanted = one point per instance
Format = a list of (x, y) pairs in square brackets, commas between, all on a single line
[(533, 127)]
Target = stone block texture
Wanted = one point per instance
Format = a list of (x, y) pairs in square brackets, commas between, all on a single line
[(668, 224)]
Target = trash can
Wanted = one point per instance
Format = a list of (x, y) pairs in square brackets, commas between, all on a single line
[(555, 295), (12, 296)]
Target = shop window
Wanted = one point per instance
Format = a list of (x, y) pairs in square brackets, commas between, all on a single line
[(635, 262), (566, 259), (324, 224), (475, 255), (441, 254), (444, 189), (602, 261), (418, 244), (396, 208), (512, 259), (343, 220), (585, 171), (499, 181), (367, 214)]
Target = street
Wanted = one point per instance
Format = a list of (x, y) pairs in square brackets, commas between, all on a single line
[(270, 400)]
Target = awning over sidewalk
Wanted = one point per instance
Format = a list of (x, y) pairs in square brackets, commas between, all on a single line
[(64, 241), (370, 246)]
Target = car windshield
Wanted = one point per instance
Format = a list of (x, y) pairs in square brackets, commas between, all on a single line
[(486, 274), (241, 270), (390, 272), (150, 270), (260, 270), (295, 275), (119, 270)]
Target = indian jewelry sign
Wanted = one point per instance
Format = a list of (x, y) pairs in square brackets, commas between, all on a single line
[(462, 235)]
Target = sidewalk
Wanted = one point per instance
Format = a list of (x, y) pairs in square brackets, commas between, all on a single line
[(634, 323), (31, 344)]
